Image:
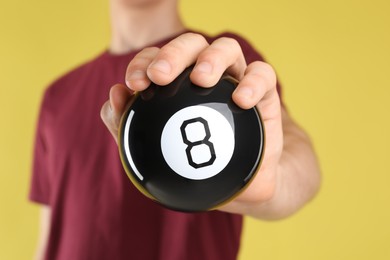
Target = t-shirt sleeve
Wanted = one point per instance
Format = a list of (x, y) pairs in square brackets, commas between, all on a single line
[(40, 184), (250, 53)]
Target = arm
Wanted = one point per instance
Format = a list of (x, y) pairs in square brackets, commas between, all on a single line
[(289, 174), (297, 178), (44, 228)]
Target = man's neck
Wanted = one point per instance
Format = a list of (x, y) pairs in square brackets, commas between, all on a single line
[(137, 27)]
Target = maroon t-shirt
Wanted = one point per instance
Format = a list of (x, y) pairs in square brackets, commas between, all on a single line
[(96, 211)]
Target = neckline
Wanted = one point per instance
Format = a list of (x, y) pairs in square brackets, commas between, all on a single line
[(108, 55)]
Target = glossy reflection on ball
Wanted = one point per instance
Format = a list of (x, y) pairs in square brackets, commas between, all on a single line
[(190, 148)]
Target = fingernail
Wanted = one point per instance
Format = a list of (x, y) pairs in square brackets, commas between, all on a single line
[(204, 67), (162, 66), (244, 92), (136, 75)]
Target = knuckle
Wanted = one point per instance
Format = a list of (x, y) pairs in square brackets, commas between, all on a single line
[(172, 49), (184, 41), (183, 47), (265, 72), (142, 59), (151, 49), (147, 53), (255, 80), (267, 68), (228, 51), (197, 37), (209, 55), (230, 41), (170, 52), (138, 64), (191, 37)]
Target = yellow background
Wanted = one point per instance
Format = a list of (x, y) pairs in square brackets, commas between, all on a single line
[(333, 60)]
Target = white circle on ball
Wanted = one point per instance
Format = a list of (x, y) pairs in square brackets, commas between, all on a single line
[(197, 142)]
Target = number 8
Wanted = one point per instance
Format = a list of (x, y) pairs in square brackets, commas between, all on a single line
[(204, 141)]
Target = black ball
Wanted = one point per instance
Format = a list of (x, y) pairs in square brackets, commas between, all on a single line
[(190, 148)]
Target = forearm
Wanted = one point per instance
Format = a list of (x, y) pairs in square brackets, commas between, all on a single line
[(289, 174), (297, 178)]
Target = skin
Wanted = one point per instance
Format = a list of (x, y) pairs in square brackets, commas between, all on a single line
[(289, 175)]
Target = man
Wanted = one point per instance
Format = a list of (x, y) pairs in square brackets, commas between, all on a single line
[(91, 211)]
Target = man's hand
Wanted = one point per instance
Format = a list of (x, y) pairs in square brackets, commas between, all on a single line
[(257, 87)]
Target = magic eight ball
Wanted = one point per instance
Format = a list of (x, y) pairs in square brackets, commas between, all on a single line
[(190, 148)]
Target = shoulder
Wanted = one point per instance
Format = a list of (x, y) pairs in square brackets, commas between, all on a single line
[(70, 80)]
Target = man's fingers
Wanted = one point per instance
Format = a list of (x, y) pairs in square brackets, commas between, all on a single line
[(163, 65), (136, 78), (257, 85), (175, 56), (106, 115), (224, 54), (119, 98), (113, 109)]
